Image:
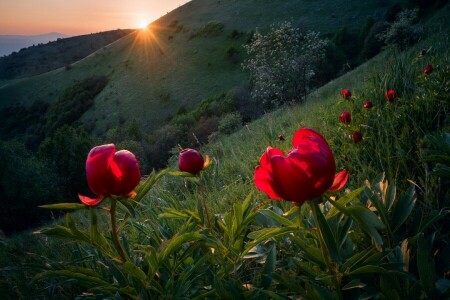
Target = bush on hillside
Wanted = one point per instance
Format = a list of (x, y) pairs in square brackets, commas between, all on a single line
[(282, 63), (211, 29), (404, 32), (74, 102), (230, 123)]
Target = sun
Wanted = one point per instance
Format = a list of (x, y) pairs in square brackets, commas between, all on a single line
[(142, 24)]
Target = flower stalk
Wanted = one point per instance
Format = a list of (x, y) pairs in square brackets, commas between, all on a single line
[(115, 231)]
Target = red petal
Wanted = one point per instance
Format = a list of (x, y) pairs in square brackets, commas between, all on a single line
[(98, 173), (289, 181), (125, 169), (302, 133), (264, 182), (270, 152), (90, 201), (339, 181)]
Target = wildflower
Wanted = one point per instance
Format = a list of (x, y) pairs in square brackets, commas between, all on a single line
[(368, 105), (357, 136), (281, 138), (346, 94), (390, 96), (305, 173), (192, 161), (428, 69), (110, 173), (345, 117)]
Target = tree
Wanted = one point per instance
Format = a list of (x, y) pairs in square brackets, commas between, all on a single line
[(282, 63), (403, 32)]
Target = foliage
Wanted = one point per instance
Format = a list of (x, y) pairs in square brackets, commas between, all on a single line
[(282, 63), (230, 123), (25, 183), (211, 29), (74, 102), (403, 32), (65, 152)]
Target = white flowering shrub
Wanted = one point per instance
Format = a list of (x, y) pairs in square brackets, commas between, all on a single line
[(282, 63)]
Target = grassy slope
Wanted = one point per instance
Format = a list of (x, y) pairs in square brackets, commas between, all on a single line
[(152, 77), (237, 155)]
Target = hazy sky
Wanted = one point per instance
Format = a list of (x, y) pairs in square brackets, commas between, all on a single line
[(79, 16)]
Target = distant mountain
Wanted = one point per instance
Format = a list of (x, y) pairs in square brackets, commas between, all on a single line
[(44, 57), (11, 43)]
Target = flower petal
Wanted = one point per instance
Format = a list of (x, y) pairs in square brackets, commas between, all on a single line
[(98, 172), (264, 182), (339, 181), (302, 133), (125, 169), (90, 201)]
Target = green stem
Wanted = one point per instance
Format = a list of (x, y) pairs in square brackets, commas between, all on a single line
[(323, 248), (115, 231), (299, 216), (203, 198)]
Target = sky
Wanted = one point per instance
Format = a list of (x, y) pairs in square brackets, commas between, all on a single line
[(74, 17)]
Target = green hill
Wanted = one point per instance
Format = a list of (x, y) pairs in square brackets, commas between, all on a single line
[(41, 58), (177, 62)]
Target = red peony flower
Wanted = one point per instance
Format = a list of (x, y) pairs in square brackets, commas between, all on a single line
[(368, 105), (390, 96), (305, 173), (346, 94), (357, 136), (345, 117), (110, 173), (191, 161), (428, 69)]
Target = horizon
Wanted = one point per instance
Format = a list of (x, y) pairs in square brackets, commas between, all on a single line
[(27, 18)]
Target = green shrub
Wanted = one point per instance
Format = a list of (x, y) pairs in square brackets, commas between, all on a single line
[(211, 29), (230, 123)]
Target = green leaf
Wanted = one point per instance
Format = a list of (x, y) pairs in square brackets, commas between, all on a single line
[(344, 201), (265, 234), (97, 238), (325, 231), (269, 267), (82, 279), (181, 174), (426, 267), (354, 284), (310, 252), (134, 271), (172, 245), (64, 206), (145, 187), (276, 217), (403, 208), (366, 219)]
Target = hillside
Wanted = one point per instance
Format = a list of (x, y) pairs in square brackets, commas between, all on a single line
[(177, 63), (61, 52)]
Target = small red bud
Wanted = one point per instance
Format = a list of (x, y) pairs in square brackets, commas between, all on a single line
[(345, 117), (346, 94), (357, 136), (190, 161), (428, 69), (368, 105), (390, 96)]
